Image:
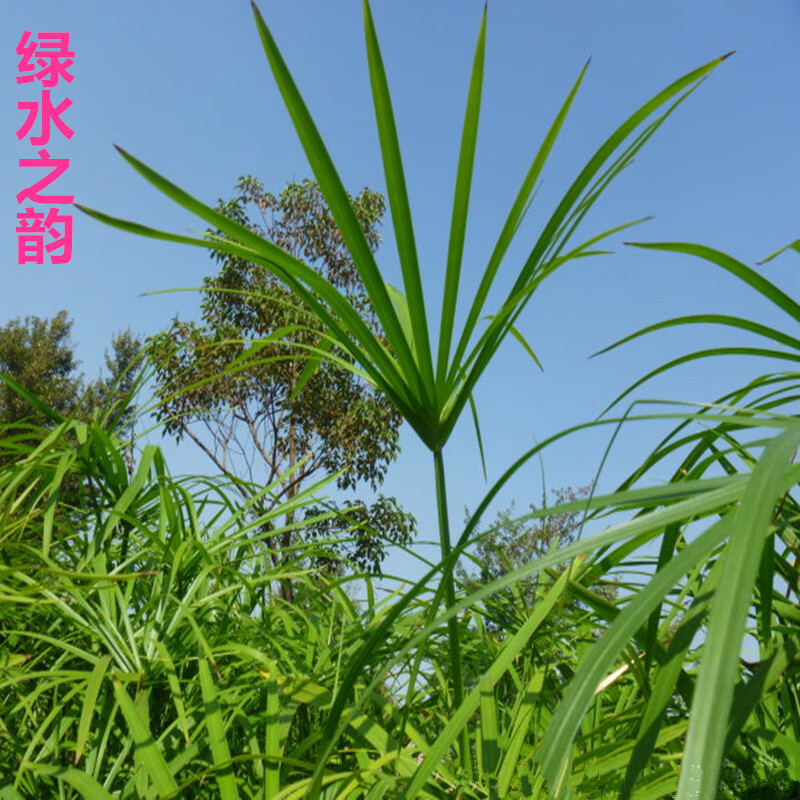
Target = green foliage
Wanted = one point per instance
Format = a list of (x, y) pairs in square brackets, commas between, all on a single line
[(275, 416), (39, 354), (105, 634), (114, 392), (217, 686), (511, 542), (430, 398), (370, 527), (146, 650)]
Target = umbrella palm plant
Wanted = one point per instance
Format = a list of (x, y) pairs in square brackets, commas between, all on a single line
[(126, 601), (753, 566), (430, 378)]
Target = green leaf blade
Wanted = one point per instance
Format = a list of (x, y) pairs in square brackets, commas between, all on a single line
[(218, 741), (419, 340), (727, 621), (147, 752), (461, 199), (338, 202)]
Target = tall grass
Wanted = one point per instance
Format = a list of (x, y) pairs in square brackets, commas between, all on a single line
[(153, 659), (148, 652), (430, 388)]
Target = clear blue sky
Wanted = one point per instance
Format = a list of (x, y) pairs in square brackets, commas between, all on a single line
[(184, 86)]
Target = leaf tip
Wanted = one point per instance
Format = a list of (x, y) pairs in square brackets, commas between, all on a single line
[(366, 10), (727, 55), (256, 11)]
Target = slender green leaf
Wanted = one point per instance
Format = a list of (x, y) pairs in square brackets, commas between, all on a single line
[(514, 220), (217, 740), (417, 332), (709, 319), (758, 282), (85, 784), (715, 686), (93, 684), (42, 407), (758, 352), (554, 752), (461, 197), (339, 204), (490, 746), (147, 752), (476, 422), (501, 664), (795, 245)]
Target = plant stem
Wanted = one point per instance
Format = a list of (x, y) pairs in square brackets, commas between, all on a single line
[(454, 637)]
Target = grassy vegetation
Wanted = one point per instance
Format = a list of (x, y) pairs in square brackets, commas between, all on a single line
[(147, 650)]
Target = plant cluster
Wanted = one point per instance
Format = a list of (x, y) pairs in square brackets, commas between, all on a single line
[(148, 649)]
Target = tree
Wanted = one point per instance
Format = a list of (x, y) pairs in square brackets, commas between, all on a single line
[(270, 419), (512, 542), (38, 353)]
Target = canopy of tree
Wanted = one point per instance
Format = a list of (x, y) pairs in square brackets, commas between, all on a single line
[(38, 353), (277, 413)]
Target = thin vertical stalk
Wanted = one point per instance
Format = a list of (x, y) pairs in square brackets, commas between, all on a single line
[(454, 638)]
